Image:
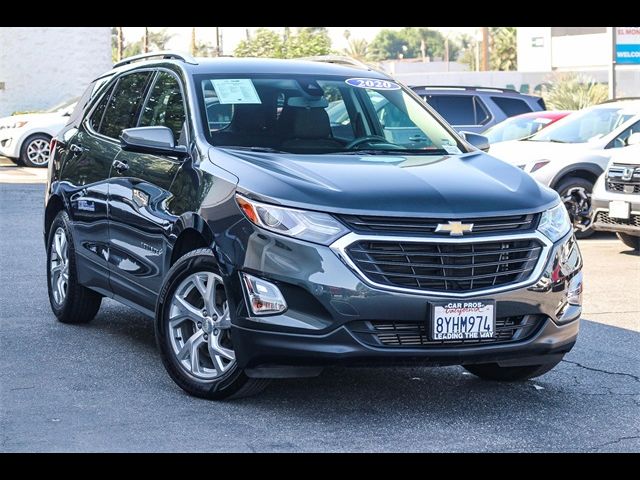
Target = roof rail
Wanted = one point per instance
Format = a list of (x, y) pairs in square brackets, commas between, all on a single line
[(467, 87), (165, 54), (339, 59), (620, 99)]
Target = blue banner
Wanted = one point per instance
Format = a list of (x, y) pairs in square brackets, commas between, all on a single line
[(628, 53)]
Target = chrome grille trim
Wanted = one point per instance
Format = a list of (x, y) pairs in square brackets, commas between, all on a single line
[(340, 249)]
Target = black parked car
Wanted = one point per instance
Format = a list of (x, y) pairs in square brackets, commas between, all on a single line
[(475, 109), (216, 196)]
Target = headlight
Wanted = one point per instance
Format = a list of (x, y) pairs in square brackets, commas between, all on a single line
[(311, 226), (18, 124), (555, 223)]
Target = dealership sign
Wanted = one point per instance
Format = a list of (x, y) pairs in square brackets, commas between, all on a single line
[(628, 45)]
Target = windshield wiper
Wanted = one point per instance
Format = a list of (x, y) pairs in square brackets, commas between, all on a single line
[(555, 140), (399, 151), (252, 149)]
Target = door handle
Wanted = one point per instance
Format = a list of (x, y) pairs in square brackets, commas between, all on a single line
[(76, 149), (120, 166), (417, 138)]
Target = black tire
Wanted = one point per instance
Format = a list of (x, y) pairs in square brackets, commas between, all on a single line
[(233, 383), (631, 241), (565, 186), (80, 305), (33, 139), (493, 371)]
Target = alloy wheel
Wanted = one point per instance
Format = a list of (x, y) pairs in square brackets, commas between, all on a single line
[(38, 151), (59, 266), (199, 326)]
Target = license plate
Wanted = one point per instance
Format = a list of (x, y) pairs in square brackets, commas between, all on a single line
[(463, 320), (619, 209)]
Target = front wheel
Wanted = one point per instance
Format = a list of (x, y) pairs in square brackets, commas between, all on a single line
[(630, 241), (575, 193), (493, 371), (193, 331)]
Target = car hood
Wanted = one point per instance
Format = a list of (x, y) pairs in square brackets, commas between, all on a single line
[(521, 152), (467, 185), (627, 156)]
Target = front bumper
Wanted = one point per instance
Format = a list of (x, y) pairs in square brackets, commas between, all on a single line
[(602, 221), (332, 310)]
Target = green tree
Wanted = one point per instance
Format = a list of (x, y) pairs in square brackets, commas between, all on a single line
[(263, 43), (503, 48), (410, 42), (467, 52), (306, 42), (357, 48)]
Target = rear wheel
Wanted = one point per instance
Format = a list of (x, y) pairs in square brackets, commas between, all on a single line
[(35, 150), (630, 241), (493, 371), (575, 193), (70, 301), (193, 331)]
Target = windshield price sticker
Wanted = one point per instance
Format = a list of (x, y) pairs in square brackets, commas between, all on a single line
[(236, 91), (372, 83)]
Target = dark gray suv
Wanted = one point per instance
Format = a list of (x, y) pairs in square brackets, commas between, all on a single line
[(475, 109), (217, 197)]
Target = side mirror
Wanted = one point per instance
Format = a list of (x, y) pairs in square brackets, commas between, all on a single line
[(479, 141), (634, 139), (154, 140)]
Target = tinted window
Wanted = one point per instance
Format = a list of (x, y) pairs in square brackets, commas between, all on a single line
[(164, 106), (621, 140), (122, 108), (511, 106), (98, 112), (456, 109)]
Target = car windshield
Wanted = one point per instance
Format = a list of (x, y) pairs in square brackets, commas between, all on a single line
[(515, 128), (63, 105), (585, 126), (307, 114)]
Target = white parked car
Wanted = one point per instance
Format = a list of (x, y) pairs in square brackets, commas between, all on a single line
[(616, 197), (25, 138), (571, 154)]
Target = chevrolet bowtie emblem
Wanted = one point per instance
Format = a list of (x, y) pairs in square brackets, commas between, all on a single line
[(455, 229)]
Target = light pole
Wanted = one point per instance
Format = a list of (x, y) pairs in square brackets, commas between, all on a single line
[(612, 65)]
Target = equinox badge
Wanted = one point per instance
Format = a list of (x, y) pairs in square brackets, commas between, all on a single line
[(455, 229)]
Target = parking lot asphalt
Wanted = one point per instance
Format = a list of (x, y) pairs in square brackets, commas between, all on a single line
[(102, 387)]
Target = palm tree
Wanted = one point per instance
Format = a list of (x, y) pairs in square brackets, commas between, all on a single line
[(357, 48)]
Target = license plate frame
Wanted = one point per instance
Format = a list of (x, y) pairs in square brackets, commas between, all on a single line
[(619, 209), (458, 308)]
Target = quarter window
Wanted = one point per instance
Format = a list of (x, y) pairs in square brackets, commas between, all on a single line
[(122, 109), (98, 112), (511, 106), (165, 106)]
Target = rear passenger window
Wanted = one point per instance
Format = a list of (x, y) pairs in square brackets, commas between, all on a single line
[(511, 106), (122, 109), (164, 106), (98, 112), (459, 109)]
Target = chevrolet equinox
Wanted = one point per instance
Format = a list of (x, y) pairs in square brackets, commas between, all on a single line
[(278, 216)]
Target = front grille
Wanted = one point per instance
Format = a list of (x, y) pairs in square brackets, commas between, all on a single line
[(415, 334), (408, 225), (603, 217), (623, 187), (445, 267)]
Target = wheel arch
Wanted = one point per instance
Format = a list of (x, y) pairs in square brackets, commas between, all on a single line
[(54, 206), (190, 232), (587, 171)]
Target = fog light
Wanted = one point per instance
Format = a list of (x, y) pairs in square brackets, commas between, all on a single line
[(264, 297), (574, 292)]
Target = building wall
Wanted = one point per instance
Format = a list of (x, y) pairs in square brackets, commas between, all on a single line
[(534, 49), (585, 52), (42, 66)]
